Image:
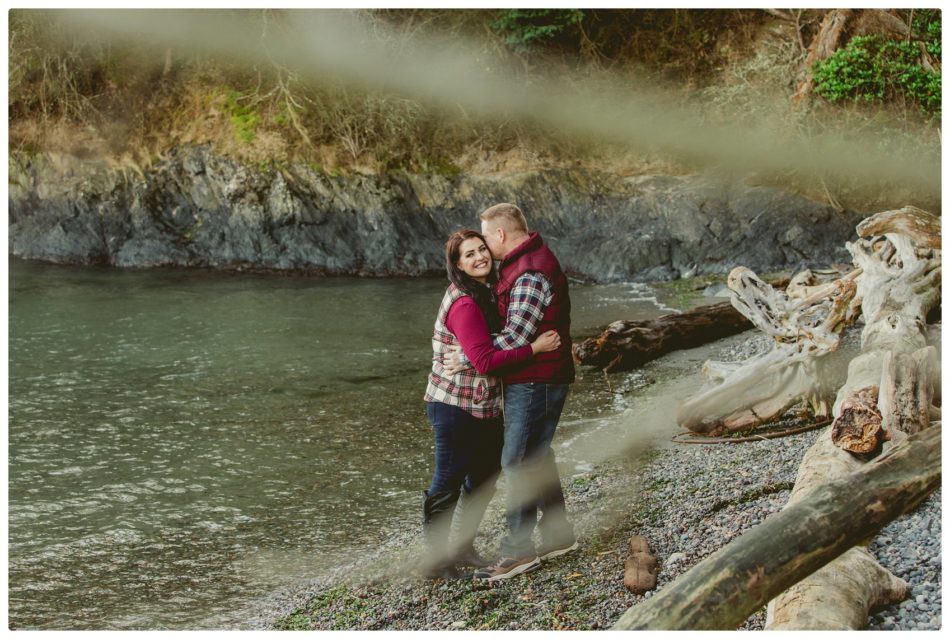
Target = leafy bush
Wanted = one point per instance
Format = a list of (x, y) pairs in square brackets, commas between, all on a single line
[(523, 28), (244, 118), (873, 69), (926, 27)]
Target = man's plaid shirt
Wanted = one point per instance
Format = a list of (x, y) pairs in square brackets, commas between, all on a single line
[(479, 395), (530, 297)]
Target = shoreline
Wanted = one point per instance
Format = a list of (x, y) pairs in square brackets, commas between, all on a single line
[(687, 509), (687, 500)]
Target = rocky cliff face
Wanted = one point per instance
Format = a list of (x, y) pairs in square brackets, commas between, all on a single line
[(196, 209)]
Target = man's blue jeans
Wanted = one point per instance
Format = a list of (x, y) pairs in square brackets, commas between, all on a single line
[(532, 412)]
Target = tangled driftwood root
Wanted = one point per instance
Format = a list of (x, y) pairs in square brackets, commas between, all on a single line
[(879, 459), (886, 398), (805, 323)]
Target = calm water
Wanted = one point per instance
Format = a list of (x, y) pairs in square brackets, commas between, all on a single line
[(181, 443)]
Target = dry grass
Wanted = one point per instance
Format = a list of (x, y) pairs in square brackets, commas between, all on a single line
[(75, 98)]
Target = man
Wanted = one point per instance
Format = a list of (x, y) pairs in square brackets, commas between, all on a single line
[(533, 295)]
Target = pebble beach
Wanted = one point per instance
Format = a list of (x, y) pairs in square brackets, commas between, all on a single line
[(687, 500)]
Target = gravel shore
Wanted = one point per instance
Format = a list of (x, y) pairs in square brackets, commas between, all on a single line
[(687, 500)]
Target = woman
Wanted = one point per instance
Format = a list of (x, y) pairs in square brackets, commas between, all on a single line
[(465, 409)]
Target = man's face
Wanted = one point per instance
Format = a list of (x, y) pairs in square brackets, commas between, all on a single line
[(492, 239)]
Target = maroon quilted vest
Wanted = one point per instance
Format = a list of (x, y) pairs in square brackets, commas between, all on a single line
[(556, 367)]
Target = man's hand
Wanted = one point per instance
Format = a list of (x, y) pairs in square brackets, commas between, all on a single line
[(455, 361), (546, 342)]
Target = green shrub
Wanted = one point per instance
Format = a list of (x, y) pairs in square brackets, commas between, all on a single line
[(244, 118), (523, 28), (873, 69), (926, 27)]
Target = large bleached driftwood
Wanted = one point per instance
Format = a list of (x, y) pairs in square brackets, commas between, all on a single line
[(805, 323), (899, 285), (887, 396), (882, 413), (725, 588), (855, 575)]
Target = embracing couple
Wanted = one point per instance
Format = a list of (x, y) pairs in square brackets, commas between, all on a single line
[(501, 367)]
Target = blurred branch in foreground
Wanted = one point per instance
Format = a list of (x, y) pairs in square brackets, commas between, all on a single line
[(335, 45)]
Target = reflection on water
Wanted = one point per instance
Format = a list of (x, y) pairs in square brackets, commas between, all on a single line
[(182, 442)]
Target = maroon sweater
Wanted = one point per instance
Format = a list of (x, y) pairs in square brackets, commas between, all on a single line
[(466, 322)]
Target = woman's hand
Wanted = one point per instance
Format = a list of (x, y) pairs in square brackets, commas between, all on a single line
[(546, 342)]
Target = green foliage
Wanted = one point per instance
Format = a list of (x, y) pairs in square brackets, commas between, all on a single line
[(244, 118), (523, 28), (873, 69), (338, 604), (926, 27), (295, 621)]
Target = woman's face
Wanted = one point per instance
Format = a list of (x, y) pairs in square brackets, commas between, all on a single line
[(475, 259)]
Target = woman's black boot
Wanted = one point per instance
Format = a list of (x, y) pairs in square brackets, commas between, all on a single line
[(471, 511), (438, 509)]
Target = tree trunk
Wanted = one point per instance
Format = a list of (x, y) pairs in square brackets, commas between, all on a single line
[(724, 589), (879, 22), (627, 344), (825, 43)]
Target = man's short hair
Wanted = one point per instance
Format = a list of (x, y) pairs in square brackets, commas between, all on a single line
[(509, 215)]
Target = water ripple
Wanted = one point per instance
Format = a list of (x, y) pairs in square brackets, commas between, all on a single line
[(181, 443)]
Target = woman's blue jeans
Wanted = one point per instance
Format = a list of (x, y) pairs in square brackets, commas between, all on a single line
[(467, 457), (532, 412)]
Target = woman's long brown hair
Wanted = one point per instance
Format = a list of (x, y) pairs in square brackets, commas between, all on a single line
[(481, 293)]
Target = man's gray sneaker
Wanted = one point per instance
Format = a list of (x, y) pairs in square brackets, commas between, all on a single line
[(550, 552), (505, 568)]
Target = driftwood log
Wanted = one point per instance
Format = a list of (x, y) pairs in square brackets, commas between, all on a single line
[(627, 344), (856, 575), (805, 323), (840, 500), (725, 588), (840, 594), (859, 426), (888, 395), (639, 567)]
